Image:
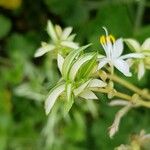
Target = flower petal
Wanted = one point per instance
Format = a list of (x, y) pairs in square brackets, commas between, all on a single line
[(146, 44), (66, 33), (58, 30), (44, 49), (51, 31), (141, 70), (52, 97), (122, 66), (133, 44), (117, 48), (132, 55), (70, 44), (102, 63), (97, 83), (60, 61), (87, 94), (71, 37), (109, 49)]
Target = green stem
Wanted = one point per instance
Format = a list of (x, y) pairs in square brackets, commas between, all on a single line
[(129, 86), (123, 96)]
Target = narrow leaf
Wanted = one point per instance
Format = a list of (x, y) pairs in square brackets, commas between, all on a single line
[(60, 61), (52, 97), (78, 64), (70, 59), (69, 91)]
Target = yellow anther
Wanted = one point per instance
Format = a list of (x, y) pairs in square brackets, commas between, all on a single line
[(102, 39), (112, 38)]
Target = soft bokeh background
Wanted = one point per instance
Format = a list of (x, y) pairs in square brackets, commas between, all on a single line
[(24, 80)]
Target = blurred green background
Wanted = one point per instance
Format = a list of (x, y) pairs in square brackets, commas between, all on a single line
[(24, 80)]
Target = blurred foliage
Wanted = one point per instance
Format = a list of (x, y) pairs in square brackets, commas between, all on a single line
[(25, 81)]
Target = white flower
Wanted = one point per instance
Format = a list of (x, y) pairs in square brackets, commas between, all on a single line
[(61, 40), (144, 49), (114, 50)]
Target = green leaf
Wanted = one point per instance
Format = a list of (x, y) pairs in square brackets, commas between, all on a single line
[(87, 68), (68, 104), (69, 91), (70, 59), (52, 97), (78, 64), (5, 26), (60, 61)]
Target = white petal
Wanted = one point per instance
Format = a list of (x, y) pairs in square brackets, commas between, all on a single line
[(97, 83), (54, 94), (102, 63), (132, 55), (44, 49), (51, 31), (146, 44), (122, 66), (117, 48), (58, 30), (70, 44), (60, 61), (71, 37), (109, 49), (141, 70), (87, 94), (66, 33), (133, 44), (80, 89)]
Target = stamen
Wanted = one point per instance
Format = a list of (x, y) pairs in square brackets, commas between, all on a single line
[(105, 39), (105, 29), (102, 39), (112, 38)]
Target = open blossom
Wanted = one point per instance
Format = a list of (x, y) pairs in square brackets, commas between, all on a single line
[(144, 49), (113, 50), (61, 40)]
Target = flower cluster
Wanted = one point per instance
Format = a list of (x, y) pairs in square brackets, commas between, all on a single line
[(84, 73), (61, 41)]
